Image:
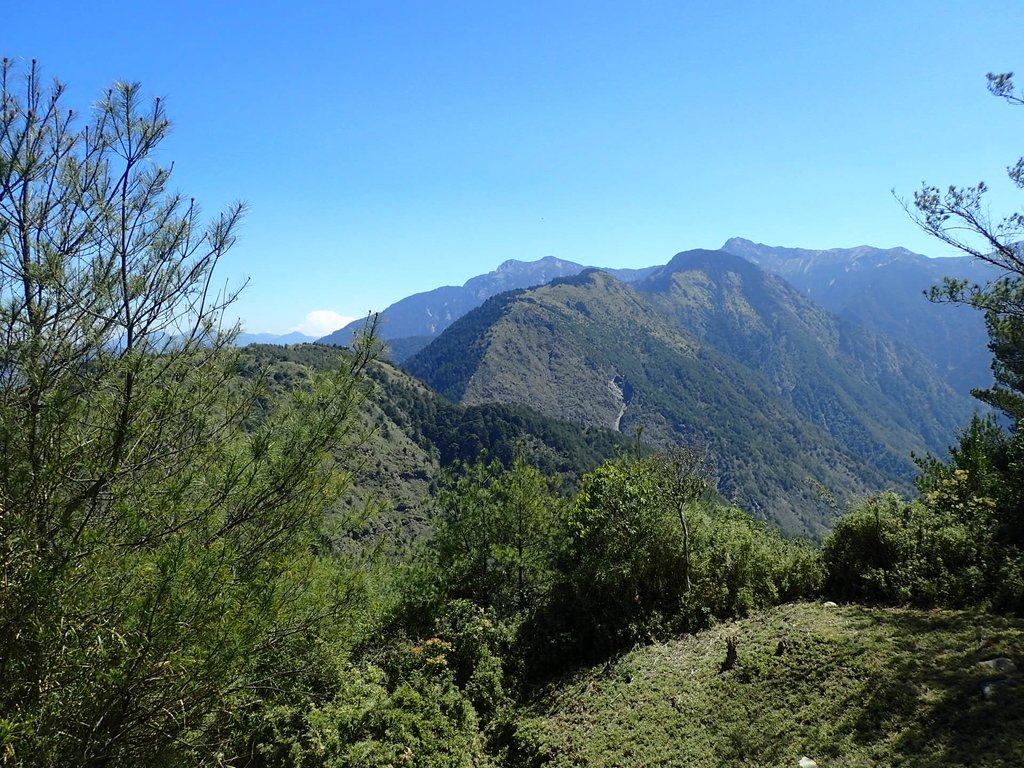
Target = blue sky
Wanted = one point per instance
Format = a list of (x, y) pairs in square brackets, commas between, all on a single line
[(386, 148)]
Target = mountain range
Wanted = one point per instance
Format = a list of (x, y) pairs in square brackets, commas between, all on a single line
[(810, 376), (714, 352), (880, 289), (295, 337), (884, 289), (410, 323)]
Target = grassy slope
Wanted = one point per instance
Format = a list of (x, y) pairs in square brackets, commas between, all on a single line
[(849, 686)]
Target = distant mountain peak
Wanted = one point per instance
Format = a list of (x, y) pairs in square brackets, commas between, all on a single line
[(739, 241), (749, 249), (294, 337), (426, 314), (703, 260), (702, 256), (517, 265)]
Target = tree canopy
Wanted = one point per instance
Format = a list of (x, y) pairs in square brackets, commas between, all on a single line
[(960, 217), (961, 542), (157, 558)]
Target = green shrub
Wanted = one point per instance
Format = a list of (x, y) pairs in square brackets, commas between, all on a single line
[(411, 713), (890, 550), (477, 647), (648, 554), (493, 539)]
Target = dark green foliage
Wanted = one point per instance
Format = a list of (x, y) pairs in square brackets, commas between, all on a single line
[(901, 552), (450, 432), (404, 710), (159, 520), (646, 553), (957, 545), (625, 569), (488, 562), (478, 653), (492, 536), (464, 433), (525, 586), (1006, 342), (986, 465)]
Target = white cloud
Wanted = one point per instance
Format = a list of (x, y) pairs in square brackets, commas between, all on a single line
[(321, 322)]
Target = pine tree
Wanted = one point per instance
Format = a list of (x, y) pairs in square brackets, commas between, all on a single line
[(156, 559)]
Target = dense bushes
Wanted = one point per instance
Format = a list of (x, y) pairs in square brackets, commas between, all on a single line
[(542, 585), (648, 552), (958, 544), (404, 710), (891, 550), (919, 553), (492, 541)]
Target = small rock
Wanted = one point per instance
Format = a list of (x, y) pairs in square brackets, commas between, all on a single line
[(991, 690), (829, 604), (806, 762), (1000, 666)]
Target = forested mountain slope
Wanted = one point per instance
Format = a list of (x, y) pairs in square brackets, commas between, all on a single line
[(594, 350), (877, 397), (884, 289), (411, 433)]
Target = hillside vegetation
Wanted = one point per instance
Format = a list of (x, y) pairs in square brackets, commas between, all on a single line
[(409, 433), (303, 558), (886, 290), (845, 686), (713, 354), (877, 397)]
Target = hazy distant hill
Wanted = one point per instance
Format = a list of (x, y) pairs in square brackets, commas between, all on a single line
[(593, 349), (245, 339), (884, 290), (409, 324)]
